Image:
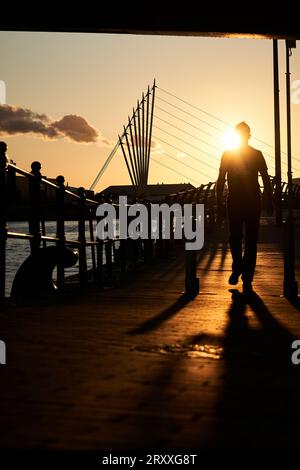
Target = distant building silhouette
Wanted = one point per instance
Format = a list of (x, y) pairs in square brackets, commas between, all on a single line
[(152, 192)]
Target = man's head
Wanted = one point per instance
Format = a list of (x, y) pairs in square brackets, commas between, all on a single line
[(243, 131)]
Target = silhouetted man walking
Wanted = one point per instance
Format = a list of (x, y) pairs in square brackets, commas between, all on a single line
[(242, 166)]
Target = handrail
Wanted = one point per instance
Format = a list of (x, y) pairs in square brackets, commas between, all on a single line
[(55, 186), (113, 251), (48, 183), (28, 236)]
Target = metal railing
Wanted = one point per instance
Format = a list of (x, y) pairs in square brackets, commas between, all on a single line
[(105, 254), (36, 235)]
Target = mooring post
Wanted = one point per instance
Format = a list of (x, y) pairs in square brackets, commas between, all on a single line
[(3, 228)]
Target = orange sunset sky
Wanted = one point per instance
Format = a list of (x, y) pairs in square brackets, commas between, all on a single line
[(99, 77)]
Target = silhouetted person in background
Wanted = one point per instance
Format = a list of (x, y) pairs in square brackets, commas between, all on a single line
[(242, 165)]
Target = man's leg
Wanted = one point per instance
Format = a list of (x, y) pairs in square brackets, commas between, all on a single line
[(251, 236), (235, 217)]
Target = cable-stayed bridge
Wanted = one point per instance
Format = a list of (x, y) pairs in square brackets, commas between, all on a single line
[(179, 136)]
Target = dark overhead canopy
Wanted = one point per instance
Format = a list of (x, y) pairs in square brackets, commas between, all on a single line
[(177, 22)]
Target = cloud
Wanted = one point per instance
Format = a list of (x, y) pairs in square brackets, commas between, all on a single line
[(16, 120), (76, 128)]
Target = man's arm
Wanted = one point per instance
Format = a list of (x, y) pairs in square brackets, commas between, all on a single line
[(221, 208), (267, 195), (221, 182)]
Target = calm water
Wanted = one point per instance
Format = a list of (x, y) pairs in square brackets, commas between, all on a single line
[(18, 250)]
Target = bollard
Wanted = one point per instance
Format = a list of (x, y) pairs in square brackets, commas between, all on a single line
[(192, 286)]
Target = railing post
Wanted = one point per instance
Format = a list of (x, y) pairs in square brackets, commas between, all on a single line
[(93, 252), (99, 252), (11, 189), (124, 244), (82, 239), (60, 229), (136, 251), (35, 202), (108, 257), (170, 242), (99, 247), (148, 244), (3, 228)]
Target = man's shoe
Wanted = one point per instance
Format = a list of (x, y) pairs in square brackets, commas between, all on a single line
[(234, 278), (247, 288)]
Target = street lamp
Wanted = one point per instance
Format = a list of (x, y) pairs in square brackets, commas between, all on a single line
[(278, 192), (290, 287)]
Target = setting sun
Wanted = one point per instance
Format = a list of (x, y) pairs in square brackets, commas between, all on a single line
[(230, 140)]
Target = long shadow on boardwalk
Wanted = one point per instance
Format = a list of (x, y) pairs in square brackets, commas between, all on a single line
[(163, 316), (259, 405), (155, 322)]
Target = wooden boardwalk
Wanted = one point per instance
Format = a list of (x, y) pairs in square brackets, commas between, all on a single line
[(141, 367)]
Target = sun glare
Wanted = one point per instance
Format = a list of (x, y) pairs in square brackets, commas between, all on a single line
[(230, 140)]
